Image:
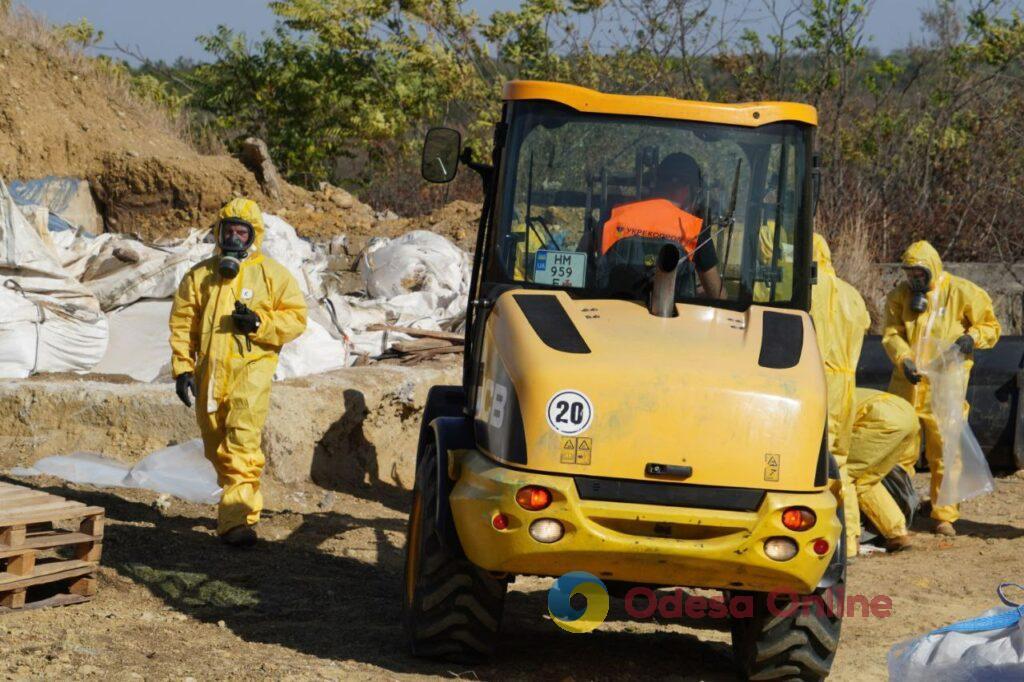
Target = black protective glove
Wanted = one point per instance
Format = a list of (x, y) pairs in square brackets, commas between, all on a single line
[(244, 319), (183, 385), (910, 371), (966, 344)]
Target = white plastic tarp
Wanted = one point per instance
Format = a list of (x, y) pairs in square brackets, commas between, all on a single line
[(69, 198), (179, 470)]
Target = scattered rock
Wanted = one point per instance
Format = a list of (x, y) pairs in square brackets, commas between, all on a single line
[(256, 156)]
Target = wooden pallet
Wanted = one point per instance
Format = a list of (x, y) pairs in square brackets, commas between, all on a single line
[(49, 549)]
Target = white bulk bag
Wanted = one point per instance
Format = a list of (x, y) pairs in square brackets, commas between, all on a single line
[(416, 261), (989, 648), (70, 331)]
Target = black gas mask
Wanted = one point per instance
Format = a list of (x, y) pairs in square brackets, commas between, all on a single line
[(233, 245), (919, 279)]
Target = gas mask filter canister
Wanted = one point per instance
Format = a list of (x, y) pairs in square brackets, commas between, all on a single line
[(919, 280)]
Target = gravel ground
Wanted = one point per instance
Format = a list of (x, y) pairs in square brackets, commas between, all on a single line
[(320, 599)]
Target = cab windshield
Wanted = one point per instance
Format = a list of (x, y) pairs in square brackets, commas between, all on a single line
[(587, 201)]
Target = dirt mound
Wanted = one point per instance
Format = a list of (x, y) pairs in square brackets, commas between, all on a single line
[(62, 113), (457, 221)]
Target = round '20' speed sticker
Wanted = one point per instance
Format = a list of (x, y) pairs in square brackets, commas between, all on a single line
[(569, 412)]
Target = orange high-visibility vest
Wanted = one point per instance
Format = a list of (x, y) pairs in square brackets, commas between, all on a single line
[(654, 219)]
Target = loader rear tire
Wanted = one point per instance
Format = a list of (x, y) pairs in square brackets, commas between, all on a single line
[(452, 609), (798, 645)]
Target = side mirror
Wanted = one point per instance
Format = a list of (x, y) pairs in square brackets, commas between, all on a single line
[(441, 155)]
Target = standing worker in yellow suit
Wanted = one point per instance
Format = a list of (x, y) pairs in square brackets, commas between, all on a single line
[(924, 315), (884, 426), (231, 315), (840, 321)]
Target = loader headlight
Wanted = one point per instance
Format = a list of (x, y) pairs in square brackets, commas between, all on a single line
[(546, 531), (780, 549)]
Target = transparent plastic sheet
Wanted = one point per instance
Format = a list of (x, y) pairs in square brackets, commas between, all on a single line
[(989, 648), (179, 470), (966, 474)]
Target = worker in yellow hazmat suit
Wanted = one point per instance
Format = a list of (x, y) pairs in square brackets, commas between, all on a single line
[(784, 264), (230, 317), (840, 321), (924, 315), (884, 426)]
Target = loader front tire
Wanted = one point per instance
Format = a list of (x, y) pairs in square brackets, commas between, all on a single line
[(785, 642), (452, 609)]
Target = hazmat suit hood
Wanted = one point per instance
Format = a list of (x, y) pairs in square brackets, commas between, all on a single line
[(923, 255), (242, 209), (823, 255)]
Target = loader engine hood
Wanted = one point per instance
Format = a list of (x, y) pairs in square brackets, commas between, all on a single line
[(604, 389)]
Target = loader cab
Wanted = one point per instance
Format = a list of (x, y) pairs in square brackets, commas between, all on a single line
[(566, 158)]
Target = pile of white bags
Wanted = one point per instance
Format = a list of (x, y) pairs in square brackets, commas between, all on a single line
[(66, 292), (419, 280), (49, 322), (120, 271), (321, 348)]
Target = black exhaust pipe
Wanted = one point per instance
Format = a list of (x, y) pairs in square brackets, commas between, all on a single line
[(663, 289)]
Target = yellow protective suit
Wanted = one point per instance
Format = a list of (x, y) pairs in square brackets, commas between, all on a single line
[(884, 426), (840, 321), (232, 375), (955, 307)]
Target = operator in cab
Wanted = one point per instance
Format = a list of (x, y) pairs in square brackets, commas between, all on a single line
[(669, 214)]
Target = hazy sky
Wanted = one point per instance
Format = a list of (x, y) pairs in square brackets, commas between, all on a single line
[(166, 29)]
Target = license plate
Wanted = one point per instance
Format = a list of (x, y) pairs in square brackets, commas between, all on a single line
[(560, 268)]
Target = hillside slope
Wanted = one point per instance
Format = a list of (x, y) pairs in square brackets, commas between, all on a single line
[(62, 113)]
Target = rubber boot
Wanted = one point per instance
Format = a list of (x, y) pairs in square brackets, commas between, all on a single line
[(240, 536), (898, 543)]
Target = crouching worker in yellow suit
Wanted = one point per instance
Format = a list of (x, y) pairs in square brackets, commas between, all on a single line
[(926, 314), (884, 426), (840, 322), (231, 315)]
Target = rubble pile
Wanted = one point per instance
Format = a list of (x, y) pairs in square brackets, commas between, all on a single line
[(76, 301)]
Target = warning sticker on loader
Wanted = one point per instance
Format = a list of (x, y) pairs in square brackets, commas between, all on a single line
[(569, 412), (576, 451), (771, 467)]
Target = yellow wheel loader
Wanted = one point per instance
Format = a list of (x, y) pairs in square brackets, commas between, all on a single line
[(623, 412)]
